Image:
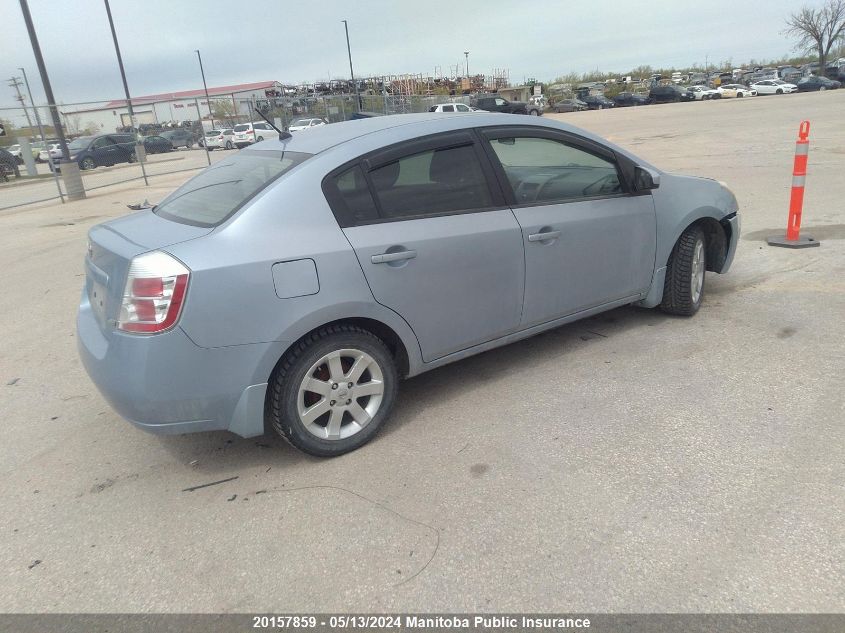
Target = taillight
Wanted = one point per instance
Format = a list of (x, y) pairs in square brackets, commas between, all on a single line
[(219, 138), (154, 293)]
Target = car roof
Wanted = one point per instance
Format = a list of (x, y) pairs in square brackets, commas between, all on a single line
[(400, 127)]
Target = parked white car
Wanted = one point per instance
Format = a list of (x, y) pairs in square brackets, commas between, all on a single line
[(730, 91), (450, 107), (249, 133), (299, 125), (703, 93), (220, 139), (54, 151), (773, 87)]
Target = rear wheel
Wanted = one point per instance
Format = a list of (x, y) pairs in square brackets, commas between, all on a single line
[(683, 288), (229, 145), (332, 391)]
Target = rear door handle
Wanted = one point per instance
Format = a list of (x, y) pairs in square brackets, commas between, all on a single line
[(543, 237), (384, 258)]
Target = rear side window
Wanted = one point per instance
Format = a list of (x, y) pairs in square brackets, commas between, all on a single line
[(432, 182), (543, 170), (350, 197), (220, 190)]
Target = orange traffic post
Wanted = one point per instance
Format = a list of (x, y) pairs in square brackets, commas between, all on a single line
[(793, 237)]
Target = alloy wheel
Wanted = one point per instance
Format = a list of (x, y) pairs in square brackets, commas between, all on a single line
[(340, 394)]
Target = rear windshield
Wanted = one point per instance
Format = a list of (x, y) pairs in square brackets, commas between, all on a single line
[(212, 132), (241, 128), (219, 191)]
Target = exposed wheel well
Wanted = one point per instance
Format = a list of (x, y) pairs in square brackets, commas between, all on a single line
[(717, 240)]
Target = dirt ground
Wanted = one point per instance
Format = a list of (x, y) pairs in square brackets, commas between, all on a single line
[(631, 462)]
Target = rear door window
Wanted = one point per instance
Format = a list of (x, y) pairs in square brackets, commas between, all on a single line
[(432, 182), (218, 192)]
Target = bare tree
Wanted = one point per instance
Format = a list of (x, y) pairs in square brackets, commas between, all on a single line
[(818, 29)]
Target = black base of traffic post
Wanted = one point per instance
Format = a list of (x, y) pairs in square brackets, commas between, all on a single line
[(801, 242)]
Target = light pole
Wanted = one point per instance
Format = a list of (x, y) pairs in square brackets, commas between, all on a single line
[(126, 92), (207, 100), (466, 65), (70, 172), (351, 72)]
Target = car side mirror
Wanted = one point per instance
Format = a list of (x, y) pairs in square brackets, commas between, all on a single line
[(645, 179)]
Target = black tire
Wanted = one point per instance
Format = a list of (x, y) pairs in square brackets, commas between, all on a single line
[(678, 288), (133, 157), (260, 138), (778, 91), (739, 95), (87, 163), (283, 388), (229, 145)]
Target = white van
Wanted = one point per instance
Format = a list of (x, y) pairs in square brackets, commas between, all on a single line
[(249, 133)]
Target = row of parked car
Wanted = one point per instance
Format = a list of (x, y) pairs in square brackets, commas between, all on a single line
[(104, 150), (673, 93)]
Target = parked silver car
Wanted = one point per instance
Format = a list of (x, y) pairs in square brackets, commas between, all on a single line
[(294, 283)]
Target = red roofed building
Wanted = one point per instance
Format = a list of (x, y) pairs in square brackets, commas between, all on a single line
[(185, 105)]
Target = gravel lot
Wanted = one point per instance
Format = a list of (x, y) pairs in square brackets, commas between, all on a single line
[(631, 462)]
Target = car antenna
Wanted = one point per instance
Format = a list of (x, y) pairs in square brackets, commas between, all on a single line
[(282, 135)]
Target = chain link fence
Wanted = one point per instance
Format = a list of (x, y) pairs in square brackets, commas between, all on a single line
[(30, 151)]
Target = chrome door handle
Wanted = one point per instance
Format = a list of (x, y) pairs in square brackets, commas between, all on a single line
[(384, 258), (543, 237)]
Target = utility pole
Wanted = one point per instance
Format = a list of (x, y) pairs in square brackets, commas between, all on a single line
[(43, 137), (352, 72), (466, 65), (15, 82), (207, 100)]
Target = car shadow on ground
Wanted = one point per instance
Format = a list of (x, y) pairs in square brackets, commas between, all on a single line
[(219, 453)]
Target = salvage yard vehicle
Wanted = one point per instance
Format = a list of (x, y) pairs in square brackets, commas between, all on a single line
[(219, 139), (498, 104), (773, 87), (294, 283), (597, 102), (570, 105), (730, 91), (670, 93), (157, 145), (450, 107), (90, 152), (625, 99), (703, 93), (249, 133), (814, 84), (300, 125), (8, 165), (179, 137)]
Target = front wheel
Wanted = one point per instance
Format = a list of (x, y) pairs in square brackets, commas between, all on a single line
[(778, 91), (87, 163), (822, 88), (332, 391), (684, 284)]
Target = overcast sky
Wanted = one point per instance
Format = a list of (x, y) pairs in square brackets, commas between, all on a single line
[(294, 42)]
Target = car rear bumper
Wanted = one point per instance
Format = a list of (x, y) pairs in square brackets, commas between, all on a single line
[(166, 384)]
